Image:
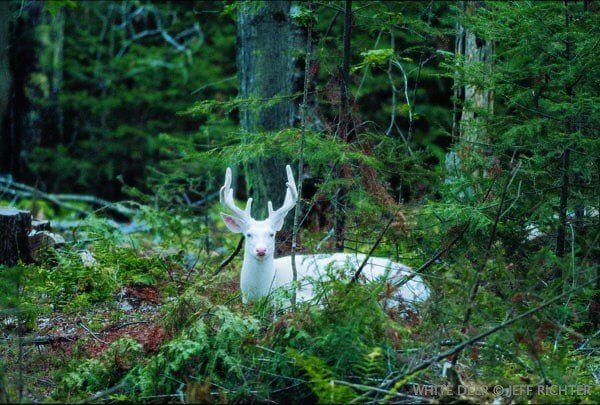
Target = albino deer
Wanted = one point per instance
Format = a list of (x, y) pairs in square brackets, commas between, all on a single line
[(262, 273)]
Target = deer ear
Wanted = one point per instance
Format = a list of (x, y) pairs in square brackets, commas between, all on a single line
[(234, 224), (276, 223)]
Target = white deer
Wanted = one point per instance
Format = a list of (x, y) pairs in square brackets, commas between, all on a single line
[(262, 273)]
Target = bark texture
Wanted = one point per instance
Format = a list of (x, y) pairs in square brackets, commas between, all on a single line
[(473, 103), (478, 102), (5, 77), (51, 36), (35, 58), (15, 226), (269, 50), (24, 127)]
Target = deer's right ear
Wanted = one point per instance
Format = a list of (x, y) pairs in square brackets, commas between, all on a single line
[(234, 224)]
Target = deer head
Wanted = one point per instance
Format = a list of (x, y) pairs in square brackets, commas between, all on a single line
[(259, 235)]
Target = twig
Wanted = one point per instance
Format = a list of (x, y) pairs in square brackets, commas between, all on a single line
[(231, 256), (486, 255), (408, 103), (564, 323), (227, 301), (368, 388), (301, 158), (433, 258), (364, 76), (211, 84), (368, 256), (95, 336), (444, 250), (394, 90)]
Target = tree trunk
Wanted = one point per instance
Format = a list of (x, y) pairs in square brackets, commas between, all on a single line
[(5, 78), (15, 226), (344, 130), (570, 129), (477, 102), (25, 126), (36, 51), (269, 46), (51, 35)]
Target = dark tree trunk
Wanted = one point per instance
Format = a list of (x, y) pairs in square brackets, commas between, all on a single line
[(15, 226), (5, 79), (24, 129), (269, 47), (570, 128), (51, 35), (345, 130), (36, 47)]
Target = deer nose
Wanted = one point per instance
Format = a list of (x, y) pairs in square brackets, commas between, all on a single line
[(261, 251)]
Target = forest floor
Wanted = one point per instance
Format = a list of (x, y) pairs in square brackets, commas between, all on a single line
[(112, 317)]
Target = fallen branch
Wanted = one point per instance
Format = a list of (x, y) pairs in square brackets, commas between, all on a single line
[(104, 393), (125, 228), (45, 340), (370, 389), (94, 335), (9, 186)]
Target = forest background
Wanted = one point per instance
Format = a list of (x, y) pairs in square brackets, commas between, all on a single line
[(460, 138)]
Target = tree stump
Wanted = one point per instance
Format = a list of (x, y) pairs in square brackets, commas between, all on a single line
[(15, 226)]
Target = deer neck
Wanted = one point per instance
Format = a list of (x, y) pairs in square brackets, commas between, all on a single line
[(258, 277)]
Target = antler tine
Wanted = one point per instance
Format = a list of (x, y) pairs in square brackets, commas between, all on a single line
[(291, 184), (225, 189), (249, 207), (226, 196), (270, 206), (291, 196)]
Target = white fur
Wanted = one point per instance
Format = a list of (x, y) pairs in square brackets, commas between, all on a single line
[(318, 268), (262, 273)]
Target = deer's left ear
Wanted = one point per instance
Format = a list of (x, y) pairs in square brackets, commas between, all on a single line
[(234, 224), (276, 223)]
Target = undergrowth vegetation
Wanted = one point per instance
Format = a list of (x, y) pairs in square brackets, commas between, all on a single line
[(494, 205), (144, 321)]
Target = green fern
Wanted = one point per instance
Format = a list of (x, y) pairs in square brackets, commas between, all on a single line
[(370, 365), (321, 380)]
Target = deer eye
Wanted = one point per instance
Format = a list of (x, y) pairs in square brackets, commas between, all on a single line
[(271, 235), (248, 235)]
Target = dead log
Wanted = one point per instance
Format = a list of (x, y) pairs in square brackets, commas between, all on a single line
[(15, 226), (40, 241), (40, 225)]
